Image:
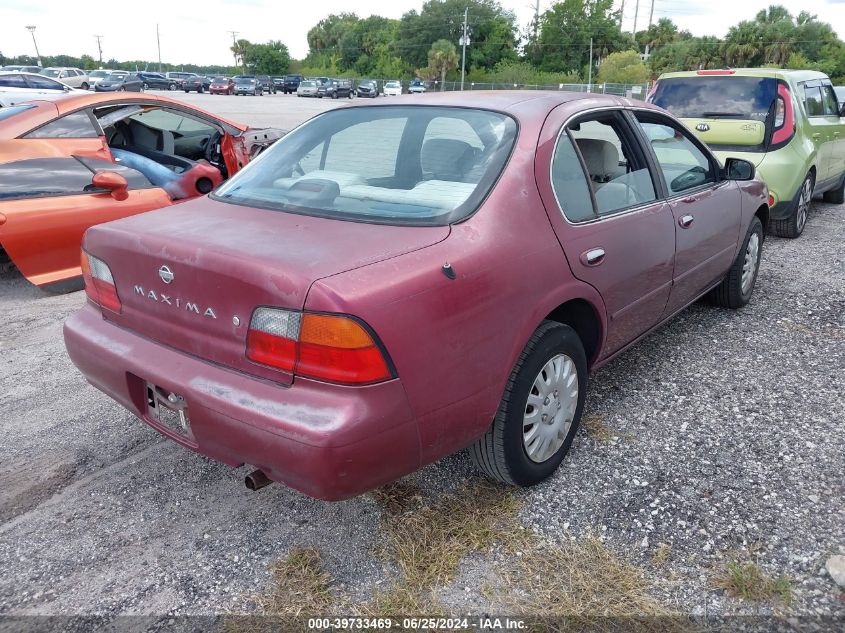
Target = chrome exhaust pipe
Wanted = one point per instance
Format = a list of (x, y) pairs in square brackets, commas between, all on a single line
[(257, 479)]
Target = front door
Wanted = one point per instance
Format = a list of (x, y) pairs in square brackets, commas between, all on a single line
[(821, 129), (705, 208), (46, 204), (616, 231)]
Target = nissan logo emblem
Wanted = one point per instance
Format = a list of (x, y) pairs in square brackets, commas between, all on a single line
[(702, 127), (166, 274)]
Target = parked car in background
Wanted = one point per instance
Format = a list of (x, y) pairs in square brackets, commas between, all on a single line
[(267, 84), (19, 87), (130, 82), (279, 83), (87, 158), (416, 86), (178, 77), (23, 69), (840, 95), (335, 88), (157, 81), (787, 122), (95, 76), (248, 85), (392, 88), (291, 83), (196, 83), (73, 77), (307, 88), (343, 377), (367, 88), (222, 86)]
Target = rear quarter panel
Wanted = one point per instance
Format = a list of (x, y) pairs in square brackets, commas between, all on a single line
[(454, 342)]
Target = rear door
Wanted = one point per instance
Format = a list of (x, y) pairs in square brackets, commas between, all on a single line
[(706, 209), (837, 131), (46, 204), (616, 230), (822, 126)]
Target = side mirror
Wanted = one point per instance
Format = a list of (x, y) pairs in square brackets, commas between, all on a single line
[(113, 182), (66, 88), (739, 169)]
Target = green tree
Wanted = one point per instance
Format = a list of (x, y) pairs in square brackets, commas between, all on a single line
[(442, 57), (492, 31), (624, 67), (271, 58)]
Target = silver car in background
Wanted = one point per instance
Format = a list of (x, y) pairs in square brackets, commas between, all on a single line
[(73, 77), (17, 87), (307, 88)]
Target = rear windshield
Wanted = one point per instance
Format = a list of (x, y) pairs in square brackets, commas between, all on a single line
[(746, 98), (8, 113), (433, 166)]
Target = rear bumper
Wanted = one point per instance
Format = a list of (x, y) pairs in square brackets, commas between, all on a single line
[(328, 441)]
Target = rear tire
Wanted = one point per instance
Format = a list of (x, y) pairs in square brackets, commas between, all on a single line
[(84, 85), (553, 358), (836, 196), (793, 226), (738, 285), (171, 87)]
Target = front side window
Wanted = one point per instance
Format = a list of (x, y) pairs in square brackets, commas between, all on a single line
[(44, 83), (432, 165), (684, 165), (12, 81), (829, 103), (75, 125), (618, 173)]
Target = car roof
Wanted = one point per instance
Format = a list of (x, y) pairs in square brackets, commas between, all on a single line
[(774, 73)]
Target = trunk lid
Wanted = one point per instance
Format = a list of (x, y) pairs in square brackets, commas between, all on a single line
[(224, 260), (735, 132)]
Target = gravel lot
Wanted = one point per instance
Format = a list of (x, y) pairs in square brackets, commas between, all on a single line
[(726, 436)]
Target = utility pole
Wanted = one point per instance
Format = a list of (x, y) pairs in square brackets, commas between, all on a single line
[(650, 18), (31, 30), (537, 18), (590, 69), (464, 42), (234, 34), (100, 47), (636, 12), (158, 43), (621, 14)]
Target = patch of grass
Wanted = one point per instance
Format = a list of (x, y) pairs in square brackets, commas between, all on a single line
[(300, 585), (661, 554), (584, 580), (597, 429), (427, 539), (748, 581)]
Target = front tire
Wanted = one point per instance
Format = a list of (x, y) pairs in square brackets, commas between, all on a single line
[(540, 409), (793, 226), (171, 87), (146, 86), (84, 85), (737, 286)]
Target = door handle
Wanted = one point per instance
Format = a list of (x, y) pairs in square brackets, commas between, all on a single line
[(592, 257), (685, 221)]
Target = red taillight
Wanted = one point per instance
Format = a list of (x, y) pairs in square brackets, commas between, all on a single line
[(334, 348), (715, 72), (99, 283), (771, 200), (784, 124)]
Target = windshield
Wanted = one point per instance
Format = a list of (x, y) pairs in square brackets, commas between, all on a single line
[(307, 84), (9, 112), (748, 98), (98, 73), (433, 167), (392, 84)]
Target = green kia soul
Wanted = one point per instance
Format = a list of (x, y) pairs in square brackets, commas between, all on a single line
[(787, 122)]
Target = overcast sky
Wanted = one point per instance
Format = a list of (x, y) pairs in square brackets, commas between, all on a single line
[(197, 32)]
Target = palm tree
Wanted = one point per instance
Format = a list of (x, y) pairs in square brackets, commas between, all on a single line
[(442, 57)]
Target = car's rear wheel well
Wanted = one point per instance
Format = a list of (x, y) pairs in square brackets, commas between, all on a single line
[(581, 317), (763, 214)]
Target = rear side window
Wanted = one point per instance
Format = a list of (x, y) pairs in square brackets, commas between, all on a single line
[(419, 165), (831, 106), (569, 182), (12, 81), (619, 175), (76, 125), (42, 177), (44, 83), (729, 97)]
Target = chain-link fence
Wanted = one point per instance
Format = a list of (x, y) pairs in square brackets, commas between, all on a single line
[(632, 91)]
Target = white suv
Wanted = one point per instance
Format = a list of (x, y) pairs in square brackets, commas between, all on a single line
[(73, 77), (17, 87)]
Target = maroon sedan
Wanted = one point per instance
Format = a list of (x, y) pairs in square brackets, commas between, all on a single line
[(222, 86), (339, 318)]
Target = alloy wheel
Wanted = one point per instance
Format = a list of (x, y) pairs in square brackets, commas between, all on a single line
[(804, 200), (550, 409), (749, 266)]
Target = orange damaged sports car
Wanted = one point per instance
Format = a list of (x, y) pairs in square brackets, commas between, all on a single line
[(70, 163)]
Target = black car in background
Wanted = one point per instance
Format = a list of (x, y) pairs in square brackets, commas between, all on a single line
[(267, 84), (367, 88), (157, 81), (291, 83), (335, 88), (279, 83), (129, 82), (199, 83)]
